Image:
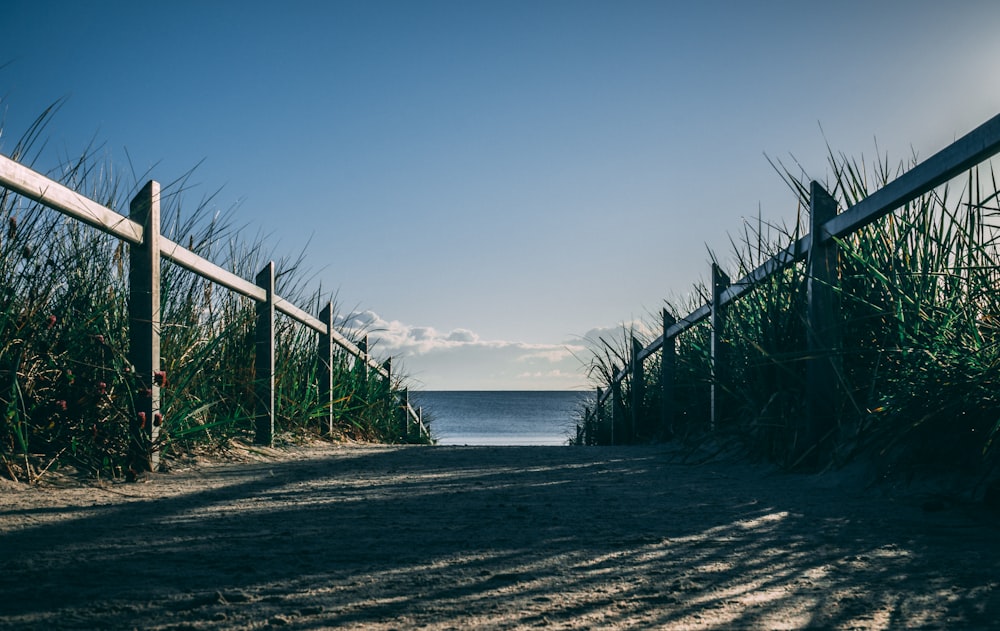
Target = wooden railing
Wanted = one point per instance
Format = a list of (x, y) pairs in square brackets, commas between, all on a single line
[(818, 249), (412, 417), (141, 230)]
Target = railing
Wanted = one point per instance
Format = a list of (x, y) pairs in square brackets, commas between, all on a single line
[(411, 417), (141, 229), (818, 249)]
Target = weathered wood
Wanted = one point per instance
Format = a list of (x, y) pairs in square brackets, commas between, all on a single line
[(33, 185), (668, 369), (638, 391), (961, 155), (720, 282), (404, 396), (149, 246), (697, 316), (973, 148), (326, 359), (413, 416), (822, 327), (599, 413), (264, 359), (784, 259), (283, 306), (617, 413), (365, 364), (144, 330), (209, 270)]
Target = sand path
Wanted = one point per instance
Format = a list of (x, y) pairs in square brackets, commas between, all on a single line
[(496, 538)]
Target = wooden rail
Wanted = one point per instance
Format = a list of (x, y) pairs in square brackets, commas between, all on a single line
[(414, 417), (826, 226), (141, 230)]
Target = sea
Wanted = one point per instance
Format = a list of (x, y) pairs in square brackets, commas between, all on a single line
[(501, 417)]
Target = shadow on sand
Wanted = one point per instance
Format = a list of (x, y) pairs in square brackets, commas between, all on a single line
[(476, 537)]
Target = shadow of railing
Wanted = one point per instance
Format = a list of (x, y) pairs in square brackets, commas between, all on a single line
[(474, 536)]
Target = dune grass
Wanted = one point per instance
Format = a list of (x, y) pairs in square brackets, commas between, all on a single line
[(66, 392), (919, 365)]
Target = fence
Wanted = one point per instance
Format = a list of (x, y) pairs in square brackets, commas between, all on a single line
[(141, 230), (411, 416), (819, 250)]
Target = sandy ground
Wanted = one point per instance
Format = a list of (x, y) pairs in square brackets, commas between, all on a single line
[(490, 537)]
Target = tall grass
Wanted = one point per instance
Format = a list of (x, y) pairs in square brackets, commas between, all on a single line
[(66, 389), (919, 365)]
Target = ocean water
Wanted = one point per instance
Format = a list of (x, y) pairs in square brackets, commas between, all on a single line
[(501, 418)]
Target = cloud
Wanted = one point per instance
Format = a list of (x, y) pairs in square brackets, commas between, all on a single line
[(553, 355), (462, 335), (641, 328), (543, 375), (460, 359), (396, 337)]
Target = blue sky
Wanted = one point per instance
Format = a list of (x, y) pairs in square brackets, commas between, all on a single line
[(489, 182)]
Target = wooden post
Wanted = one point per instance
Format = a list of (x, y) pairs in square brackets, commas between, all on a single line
[(264, 359), (822, 328), (638, 390), (720, 282), (326, 366), (599, 413), (668, 368), (387, 365), (405, 407), (617, 407), (363, 346), (144, 331)]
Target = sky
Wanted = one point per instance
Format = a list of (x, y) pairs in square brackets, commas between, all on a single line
[(487, 184)]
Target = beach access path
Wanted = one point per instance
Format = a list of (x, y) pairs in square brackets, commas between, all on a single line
[(379, 537)]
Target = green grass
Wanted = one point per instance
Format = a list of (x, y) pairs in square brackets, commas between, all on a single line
[(920, 360), (66, 390)]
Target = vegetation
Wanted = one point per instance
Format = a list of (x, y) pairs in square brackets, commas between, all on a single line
[(919, 367), (66, 392)]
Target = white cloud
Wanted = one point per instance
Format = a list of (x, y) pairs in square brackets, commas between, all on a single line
[(461, 359), (641, 328), (462, 335), (397, 337), (544, 375), (553, 355)]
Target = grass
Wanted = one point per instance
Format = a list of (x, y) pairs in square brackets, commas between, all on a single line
[(919, 364), (66, 391)]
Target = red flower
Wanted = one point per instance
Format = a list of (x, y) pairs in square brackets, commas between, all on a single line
[(61, 404), (51, 322), (157, 419), (160, 378), (99, 339), (142, 420), (102, 388)]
